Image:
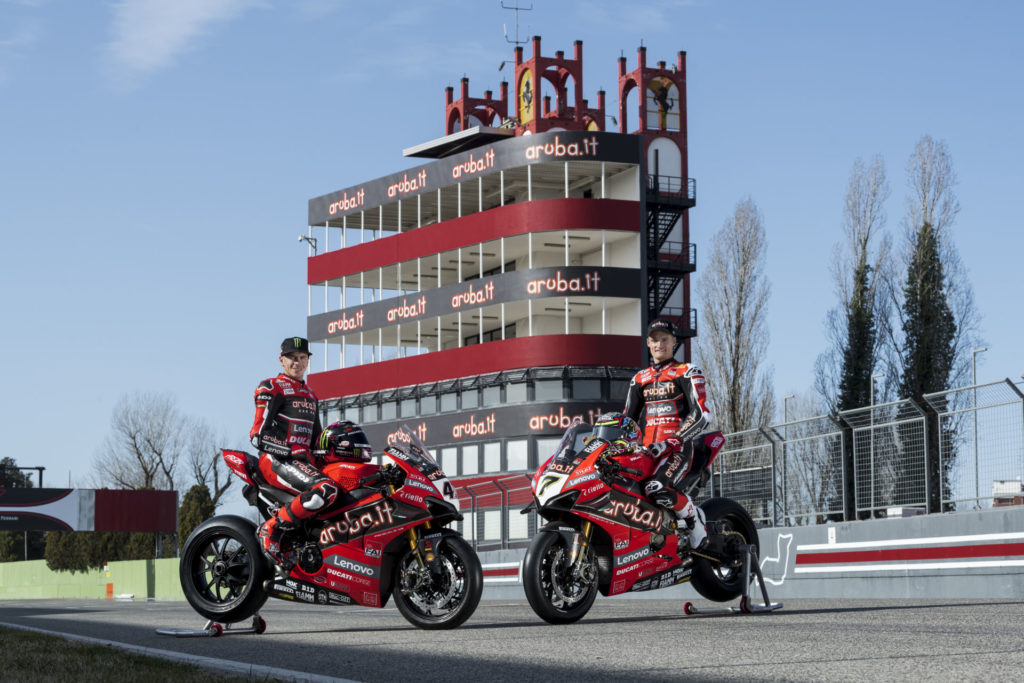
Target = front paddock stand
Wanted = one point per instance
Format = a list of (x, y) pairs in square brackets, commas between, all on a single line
[(215, 630), (746, 606)]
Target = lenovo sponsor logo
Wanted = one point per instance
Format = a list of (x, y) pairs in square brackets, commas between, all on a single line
[(474, 296), (474, 427), (588, 282), (349, 565), (557, 149), (345, 323), (406, 311), (347, 203), (586, 477), (660, 408), (474, 165), (633, 556), (407, 184)]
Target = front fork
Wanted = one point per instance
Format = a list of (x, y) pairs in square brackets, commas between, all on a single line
[(578, 548)]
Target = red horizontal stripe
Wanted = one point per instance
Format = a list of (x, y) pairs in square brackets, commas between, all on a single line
[(505, 571), (907, 554), (479, 359), (513, 219)]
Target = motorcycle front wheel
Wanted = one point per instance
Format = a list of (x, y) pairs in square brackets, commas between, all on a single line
[(446, 597), (723, 581), (557, 592), (222, 569)]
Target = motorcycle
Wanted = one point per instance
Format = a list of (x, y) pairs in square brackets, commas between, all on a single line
[(602, 535), (388, 537)]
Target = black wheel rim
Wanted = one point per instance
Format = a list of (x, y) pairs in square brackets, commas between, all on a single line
[(221, 570), (562, 590), (444, 593)]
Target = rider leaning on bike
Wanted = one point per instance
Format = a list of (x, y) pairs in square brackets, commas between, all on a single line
[(671, 396), (285, 429)]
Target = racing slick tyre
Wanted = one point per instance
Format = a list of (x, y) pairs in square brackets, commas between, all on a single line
[(446, 597), (556, 593), (723, 581), (222, 569)]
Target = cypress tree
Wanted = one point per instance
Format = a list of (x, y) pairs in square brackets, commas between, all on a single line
[(929, 330), (859, 353)]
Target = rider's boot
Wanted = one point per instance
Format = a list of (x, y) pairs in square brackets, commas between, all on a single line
[(695, 523), (271, 533)]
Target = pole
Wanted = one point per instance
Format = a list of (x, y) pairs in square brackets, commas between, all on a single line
[(974, 413), (871, 450)]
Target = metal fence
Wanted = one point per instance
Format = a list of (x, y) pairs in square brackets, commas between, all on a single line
[(981, 444), (960, 449)]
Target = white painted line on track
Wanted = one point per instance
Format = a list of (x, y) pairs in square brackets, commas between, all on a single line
[(974, 538), (253, 671), (902, 567)]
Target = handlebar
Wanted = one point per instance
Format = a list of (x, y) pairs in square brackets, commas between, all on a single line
[(609, 466), (388, 474)]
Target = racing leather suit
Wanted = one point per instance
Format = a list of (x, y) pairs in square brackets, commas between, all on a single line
[(286, 425), (671, 396)]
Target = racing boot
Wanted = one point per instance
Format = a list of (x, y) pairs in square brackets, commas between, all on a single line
[(694, 522), (272, 532)]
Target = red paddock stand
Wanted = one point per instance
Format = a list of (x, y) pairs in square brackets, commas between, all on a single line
[(746, 606), (215, 630)]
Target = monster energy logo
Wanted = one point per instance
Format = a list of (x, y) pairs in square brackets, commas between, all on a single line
[(297, 342)]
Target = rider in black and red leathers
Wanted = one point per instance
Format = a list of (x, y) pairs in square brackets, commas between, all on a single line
[(286, 426), (671, 396)]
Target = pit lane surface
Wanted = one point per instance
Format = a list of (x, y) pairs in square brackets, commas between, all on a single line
[(807, 640)]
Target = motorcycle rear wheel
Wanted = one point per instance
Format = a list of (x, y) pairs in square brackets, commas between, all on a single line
[(222, 569), (553, 593), (712, 579), (439, 601)]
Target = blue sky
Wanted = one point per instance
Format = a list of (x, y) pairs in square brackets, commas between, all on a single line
[(156, 159)]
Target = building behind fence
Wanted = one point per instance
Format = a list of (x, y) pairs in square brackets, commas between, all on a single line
[(960, 449)]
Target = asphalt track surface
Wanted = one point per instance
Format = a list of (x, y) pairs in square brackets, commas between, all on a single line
[(619, 640)]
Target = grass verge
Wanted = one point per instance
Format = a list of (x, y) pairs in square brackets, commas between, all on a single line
[(29, 656)]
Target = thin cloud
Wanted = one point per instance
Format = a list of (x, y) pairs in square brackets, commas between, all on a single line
[(149, 35), (13, 46)]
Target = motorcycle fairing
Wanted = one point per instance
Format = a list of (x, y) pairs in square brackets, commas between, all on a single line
[(302, 591)]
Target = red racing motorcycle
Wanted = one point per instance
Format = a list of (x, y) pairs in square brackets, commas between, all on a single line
[(391, 541), (604, 536)]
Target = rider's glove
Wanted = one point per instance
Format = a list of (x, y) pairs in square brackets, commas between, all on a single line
[(663, 448)]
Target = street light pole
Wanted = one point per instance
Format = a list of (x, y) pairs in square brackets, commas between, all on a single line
[(785, 446), (974, 392)]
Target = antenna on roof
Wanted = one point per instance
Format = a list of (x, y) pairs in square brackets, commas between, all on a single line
[(517, 10)]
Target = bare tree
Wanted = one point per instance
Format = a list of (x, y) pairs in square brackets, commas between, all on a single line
[(843, 371), (734, 338), (206, 465), (143, 450), (153, 445)]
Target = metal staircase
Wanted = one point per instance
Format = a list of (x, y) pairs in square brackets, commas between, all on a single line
[(668, 262)]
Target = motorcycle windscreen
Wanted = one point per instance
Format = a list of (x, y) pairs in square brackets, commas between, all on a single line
[(573, 441), (415, 451)]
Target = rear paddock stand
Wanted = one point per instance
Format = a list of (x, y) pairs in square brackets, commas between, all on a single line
[(746, 606), (215, 630)]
